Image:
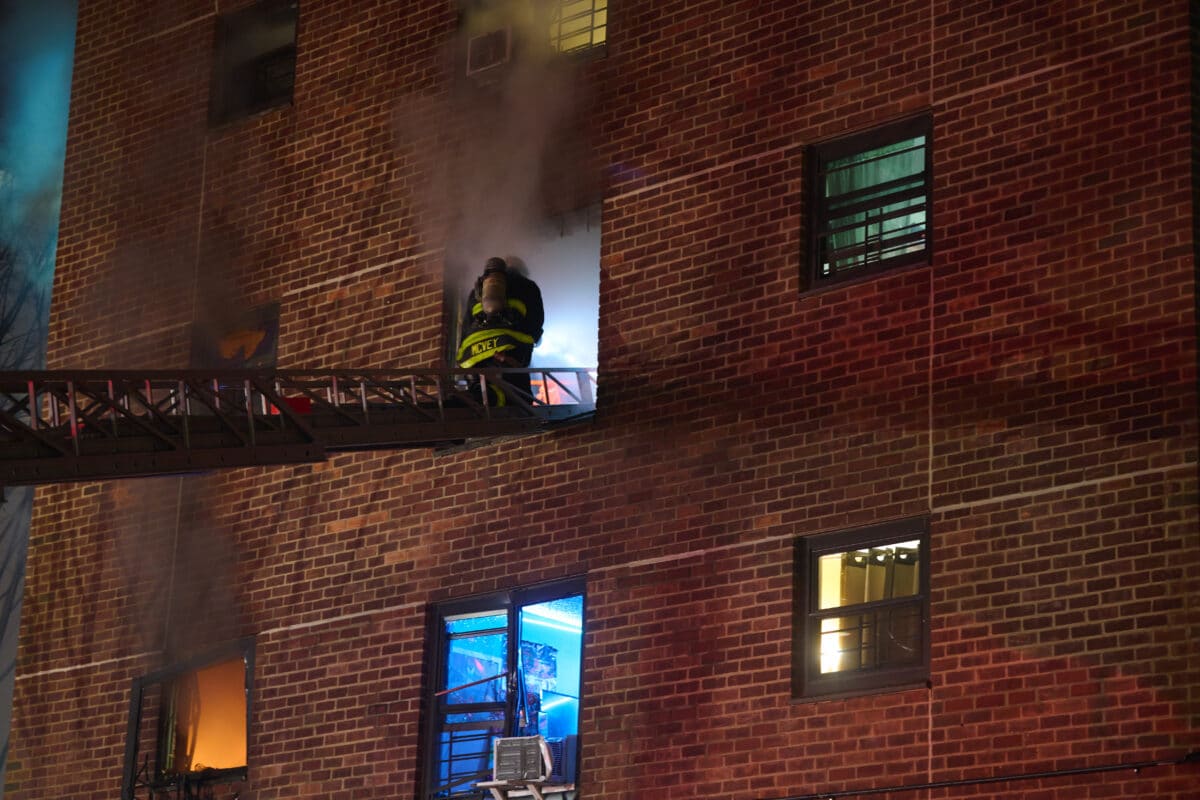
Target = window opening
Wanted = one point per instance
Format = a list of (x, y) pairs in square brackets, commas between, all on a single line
[(254, 63), (579, 25), (189, 725), (863, 620), (870, 201), (508, 665)]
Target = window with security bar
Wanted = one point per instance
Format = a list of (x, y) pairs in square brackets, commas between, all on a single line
[(579, 25), (869, 201), (862, 610), (504, 667)]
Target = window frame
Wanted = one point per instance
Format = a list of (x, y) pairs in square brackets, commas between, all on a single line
[(808, 683), (819, 154), (224, 104), (589, 51), (243, 648), (510, 602)]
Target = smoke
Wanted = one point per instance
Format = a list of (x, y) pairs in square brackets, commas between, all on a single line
[(504, 149), (180, 565)]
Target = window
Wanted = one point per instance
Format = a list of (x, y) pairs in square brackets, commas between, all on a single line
[(254, 66), (503, 665), (862, 609), (189, 724), (578, 25), (869, 201), (497, 31)]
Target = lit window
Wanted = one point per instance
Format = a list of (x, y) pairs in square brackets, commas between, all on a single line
[(579, 25), (189, 723), (862, 609), (869, 201), (254, 64), (499, 30), (503, 665)]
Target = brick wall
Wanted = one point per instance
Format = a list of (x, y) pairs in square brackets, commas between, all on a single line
[(1033, 391)]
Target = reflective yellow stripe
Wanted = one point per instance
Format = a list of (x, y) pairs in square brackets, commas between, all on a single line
[(482, 355), (491, 333), (513, 303)]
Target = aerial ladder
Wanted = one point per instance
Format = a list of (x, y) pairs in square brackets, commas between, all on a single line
[(66, 426)]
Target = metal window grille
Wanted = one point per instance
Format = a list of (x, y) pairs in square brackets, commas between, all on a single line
[(870, 201), (579, 24)]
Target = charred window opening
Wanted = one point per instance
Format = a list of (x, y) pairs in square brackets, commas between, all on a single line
[(869, 201), (254, 66), (562, 256), (862, 610), (189, 724)]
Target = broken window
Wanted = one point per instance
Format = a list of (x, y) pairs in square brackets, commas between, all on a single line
[(254, 63), (862, 609), (562, 256), (189, 723)]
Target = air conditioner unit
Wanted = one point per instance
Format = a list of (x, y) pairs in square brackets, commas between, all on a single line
[(562, 757), (488, 50), (520, 758)]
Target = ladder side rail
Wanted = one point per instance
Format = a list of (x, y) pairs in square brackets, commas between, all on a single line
[(249, 411), (34, 401), (74, 423)]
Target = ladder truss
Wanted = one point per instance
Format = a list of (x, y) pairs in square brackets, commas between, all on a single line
[(73, 426)]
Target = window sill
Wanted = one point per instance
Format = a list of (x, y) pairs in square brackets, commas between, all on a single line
[(847, 694)]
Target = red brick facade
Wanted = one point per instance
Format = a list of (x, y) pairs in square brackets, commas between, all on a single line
[(1033, 391)]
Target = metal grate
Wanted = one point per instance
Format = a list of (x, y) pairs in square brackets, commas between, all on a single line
[(579, 24)]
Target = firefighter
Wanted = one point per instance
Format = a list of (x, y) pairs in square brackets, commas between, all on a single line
[(501, 323)]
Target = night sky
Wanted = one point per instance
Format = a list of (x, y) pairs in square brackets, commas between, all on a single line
[(37, 43)]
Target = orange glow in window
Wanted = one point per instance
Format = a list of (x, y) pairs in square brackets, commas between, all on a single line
[(210, 718)]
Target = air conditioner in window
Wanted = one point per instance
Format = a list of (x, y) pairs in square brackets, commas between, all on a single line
[(488, 50)]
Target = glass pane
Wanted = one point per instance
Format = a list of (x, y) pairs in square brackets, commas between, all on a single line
[(887, 637), (476, 659), (551, 650), (875, 205), (865, 576), (579, 24), (206, 719)]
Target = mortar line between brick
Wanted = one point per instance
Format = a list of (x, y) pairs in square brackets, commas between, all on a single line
[(1066, 487), (933, 510), (929, 776), (1064, 66), (359, 273), (639, 563), (650, 187), (299, 290), (88, 665), (148, 38), (341, 618)]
